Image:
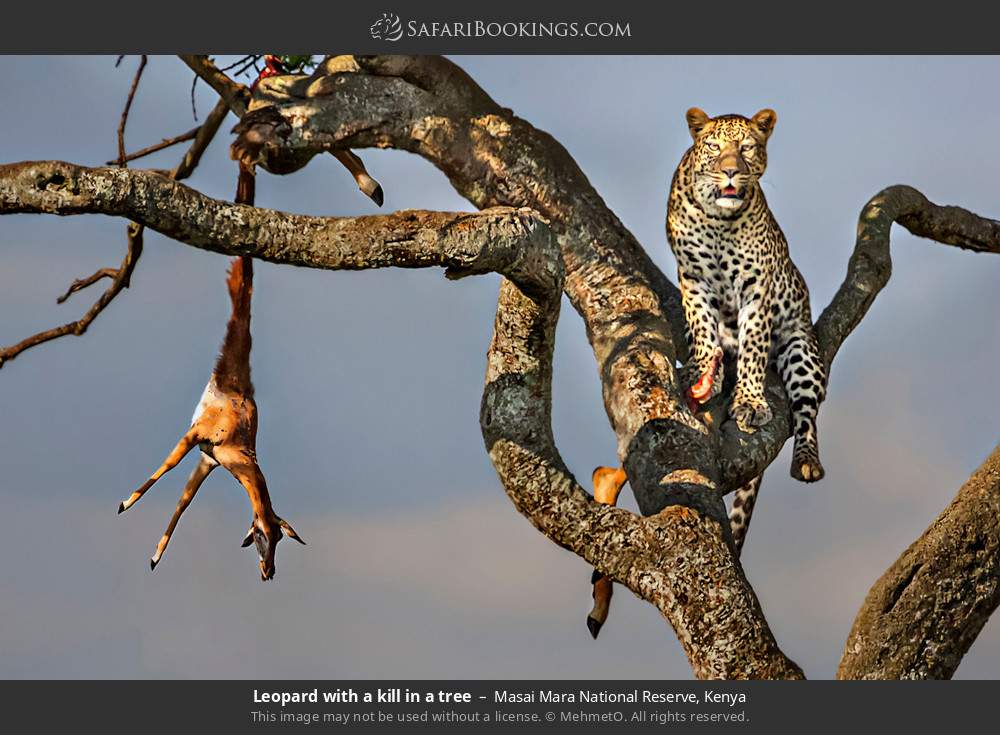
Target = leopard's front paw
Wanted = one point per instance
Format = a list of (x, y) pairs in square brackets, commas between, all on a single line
[(749, 411)]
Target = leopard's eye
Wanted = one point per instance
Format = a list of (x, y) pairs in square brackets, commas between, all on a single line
[(748, 148), (712, 147)]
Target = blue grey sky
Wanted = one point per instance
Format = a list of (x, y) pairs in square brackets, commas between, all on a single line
[(368, 386)]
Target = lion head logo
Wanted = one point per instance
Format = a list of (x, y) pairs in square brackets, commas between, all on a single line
[(387, 28)]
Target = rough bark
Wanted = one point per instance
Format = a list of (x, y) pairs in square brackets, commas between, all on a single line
[(465, 243), (924, 613)]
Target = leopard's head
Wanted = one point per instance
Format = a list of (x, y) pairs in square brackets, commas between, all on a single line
[(728, 157)]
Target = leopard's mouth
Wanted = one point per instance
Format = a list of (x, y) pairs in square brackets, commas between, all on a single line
[(729, 197)]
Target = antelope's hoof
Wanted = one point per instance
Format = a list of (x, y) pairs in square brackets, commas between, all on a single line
[(594, 626)]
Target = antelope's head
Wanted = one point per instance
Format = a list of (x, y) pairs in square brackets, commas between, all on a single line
[(265, 535)]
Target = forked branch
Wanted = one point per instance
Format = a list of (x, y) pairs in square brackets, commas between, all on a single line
[(121, 277), (119, 281)]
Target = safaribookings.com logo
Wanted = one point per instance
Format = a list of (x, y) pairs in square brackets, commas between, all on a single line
[(390, 28), (387, 28)]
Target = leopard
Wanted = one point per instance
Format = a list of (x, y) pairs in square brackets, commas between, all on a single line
[(743, 297)]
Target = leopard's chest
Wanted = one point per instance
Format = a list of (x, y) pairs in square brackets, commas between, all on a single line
[(728, 255)]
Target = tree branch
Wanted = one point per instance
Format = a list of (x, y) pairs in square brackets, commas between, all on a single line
[(81, 283), (205, 135), (924, 613), (119, 281), (240, 100), (871, 263), (409, 239)]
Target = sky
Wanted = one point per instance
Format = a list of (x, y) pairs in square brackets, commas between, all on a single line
[(368, 387)]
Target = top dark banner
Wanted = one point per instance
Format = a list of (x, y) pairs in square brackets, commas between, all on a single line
[(516, 27)]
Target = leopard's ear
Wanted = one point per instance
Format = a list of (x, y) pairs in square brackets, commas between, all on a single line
[(697, 120), (764, 122)]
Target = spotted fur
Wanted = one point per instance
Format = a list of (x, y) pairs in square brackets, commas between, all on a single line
[(742, 294)]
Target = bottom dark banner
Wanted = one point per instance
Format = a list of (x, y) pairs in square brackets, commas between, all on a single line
[(493, 706)]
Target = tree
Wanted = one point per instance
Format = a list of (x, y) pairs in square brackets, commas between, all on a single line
[(547, 231)]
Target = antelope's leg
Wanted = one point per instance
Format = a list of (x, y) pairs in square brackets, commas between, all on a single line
[(202, 470), (242, 466), (185, 445), (702, 390), (369, 186), (608, 483)]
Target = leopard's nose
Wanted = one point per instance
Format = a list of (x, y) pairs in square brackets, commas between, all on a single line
[(731, 172)]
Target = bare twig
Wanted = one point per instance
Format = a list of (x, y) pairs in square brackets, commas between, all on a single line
[(165, 143), (120, 281), (125, 110), (81, 283), (245, 69), (244, 63), (194, 105)]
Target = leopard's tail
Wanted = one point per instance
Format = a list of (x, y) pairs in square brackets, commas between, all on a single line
[(739, 517)]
